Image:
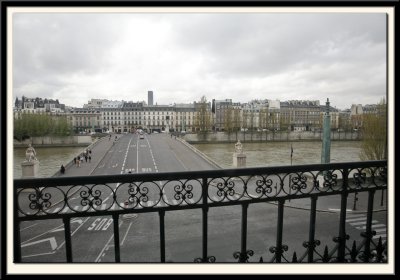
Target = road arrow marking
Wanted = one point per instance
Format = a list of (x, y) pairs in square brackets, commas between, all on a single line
[(52, 241)]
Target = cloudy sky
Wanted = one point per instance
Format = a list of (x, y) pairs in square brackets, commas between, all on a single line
[(74, 57)]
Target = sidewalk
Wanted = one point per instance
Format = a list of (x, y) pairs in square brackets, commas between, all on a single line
[(99, 149)]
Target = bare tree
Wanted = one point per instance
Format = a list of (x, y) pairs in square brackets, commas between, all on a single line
[(203, 116), (374, 134)]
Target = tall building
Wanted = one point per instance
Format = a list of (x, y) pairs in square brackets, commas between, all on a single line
[(150, 98)]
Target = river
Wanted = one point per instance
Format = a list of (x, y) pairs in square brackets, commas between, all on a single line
[(258, 154), (50, 159), (278, 153)]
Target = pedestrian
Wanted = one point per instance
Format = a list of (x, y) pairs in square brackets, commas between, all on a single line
[(86, 157), (74, 160), (90, 152), (62, 169), (109, 138), (78, 162), (90, 158)]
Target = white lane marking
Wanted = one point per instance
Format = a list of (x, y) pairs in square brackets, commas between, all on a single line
[(372, 226), (123, 240), (98, 259), (28, 227), (51, 230), (362, 223), (56, 210), (36, 255), (337, 209), (52, 240), (380, 229), (355, 215), (377, 236), (356, 219), (72, 234), (126, 154)]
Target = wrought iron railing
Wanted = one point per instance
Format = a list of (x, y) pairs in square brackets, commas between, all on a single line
[(35, 199)]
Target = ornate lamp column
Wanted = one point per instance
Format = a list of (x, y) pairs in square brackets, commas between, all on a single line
[(326, 140)]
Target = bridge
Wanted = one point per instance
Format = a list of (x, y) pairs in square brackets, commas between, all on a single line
[(159, 200)]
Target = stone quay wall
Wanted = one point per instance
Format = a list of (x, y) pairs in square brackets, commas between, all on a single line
[(47, 141), (280, 136)]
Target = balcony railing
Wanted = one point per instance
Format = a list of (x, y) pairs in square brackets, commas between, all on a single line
[(160, 192)]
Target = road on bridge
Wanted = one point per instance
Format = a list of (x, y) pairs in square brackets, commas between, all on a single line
[(93, 239)]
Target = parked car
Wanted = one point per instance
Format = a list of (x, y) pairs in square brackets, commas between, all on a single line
[(141, 136)]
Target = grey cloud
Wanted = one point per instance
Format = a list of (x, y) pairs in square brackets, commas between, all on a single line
[(59, 44), (263, 44), (238, 56)]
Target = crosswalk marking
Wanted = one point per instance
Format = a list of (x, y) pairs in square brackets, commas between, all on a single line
[(380, 229), (56, 210), (356, 215), (362, 223), (377, 236), (372, 226), (359, 222), (357, 219)]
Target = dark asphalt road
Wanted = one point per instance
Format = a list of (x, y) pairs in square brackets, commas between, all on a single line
[(92, 238)]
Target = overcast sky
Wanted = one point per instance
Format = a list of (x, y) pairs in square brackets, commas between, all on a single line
[(181, 57)]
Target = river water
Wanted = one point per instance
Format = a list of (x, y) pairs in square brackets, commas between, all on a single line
[(278, 153), (50, 159), (257, 154)]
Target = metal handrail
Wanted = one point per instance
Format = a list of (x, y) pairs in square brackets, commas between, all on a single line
[(210, 188)]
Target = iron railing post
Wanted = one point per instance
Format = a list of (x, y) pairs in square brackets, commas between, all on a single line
[(17, 234), (279, 231), (243, 250), (368, 232), (116, 238), (161, 214), (205, 218), (342, 222), (311, 232), (67, 234)]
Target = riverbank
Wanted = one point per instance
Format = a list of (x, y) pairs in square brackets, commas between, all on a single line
[(52, 157), (54, 141), (268, 136)]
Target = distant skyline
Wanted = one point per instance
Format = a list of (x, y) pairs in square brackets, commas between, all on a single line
[(75, 57)]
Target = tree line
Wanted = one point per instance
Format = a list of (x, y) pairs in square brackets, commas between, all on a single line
[(36, 125)]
